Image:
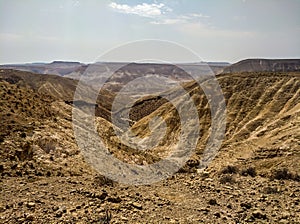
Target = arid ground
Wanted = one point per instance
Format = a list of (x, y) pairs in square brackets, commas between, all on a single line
[(255, 177)]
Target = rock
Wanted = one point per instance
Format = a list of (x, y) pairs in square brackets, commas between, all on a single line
[(30, 217), (258, 214), (208, 179), (293, 195), (58, 213), (212, 202), (2, 208), (246, 205), (72, 210), (204, 174), (114, 199), (30, 204), (124, 218), (283, 221), (217, 214), (285, 215), (137, 205), (64, 210), (229, 206), (101, 196)]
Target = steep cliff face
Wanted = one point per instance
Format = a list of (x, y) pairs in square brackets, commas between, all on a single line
[(259, 65), (262, 117)]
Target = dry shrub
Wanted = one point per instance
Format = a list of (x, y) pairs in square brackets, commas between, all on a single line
[(25, 153), (107, 218), (251, 171), (230, 170), (47, 145), (270, 190), (284, 174), (101, 180), (227, 179)]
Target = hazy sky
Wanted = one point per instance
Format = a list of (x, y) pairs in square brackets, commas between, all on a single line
[(80, 30)]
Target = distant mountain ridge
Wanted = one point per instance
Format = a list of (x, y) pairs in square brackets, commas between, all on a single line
[(75, 69), (264, 65), (60, 68)]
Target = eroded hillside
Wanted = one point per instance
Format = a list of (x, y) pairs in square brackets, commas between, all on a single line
[(252, 179)]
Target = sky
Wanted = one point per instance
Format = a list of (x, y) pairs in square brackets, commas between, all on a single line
[(81, 30)]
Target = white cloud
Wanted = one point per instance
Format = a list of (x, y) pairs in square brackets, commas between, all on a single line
[(144, 9), (192, 18), (159, 13)]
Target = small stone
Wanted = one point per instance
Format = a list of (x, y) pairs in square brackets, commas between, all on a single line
[(63, 209), (58, 214), (114, 199), (72, 210), (101, 196), (2, 208), (203, 209), (292, 195), (124, 218), (217, 214), (259, 215), (30, 204), (212, 202), (285, 215), (60, 211), (203, 173), (137, 205), (246, 205), (30, 217), (283, 221), (208, 179), (240, 211)]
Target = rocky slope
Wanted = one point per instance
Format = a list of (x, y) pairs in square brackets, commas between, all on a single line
[(264, 65), (60, 68), (254, 178)]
